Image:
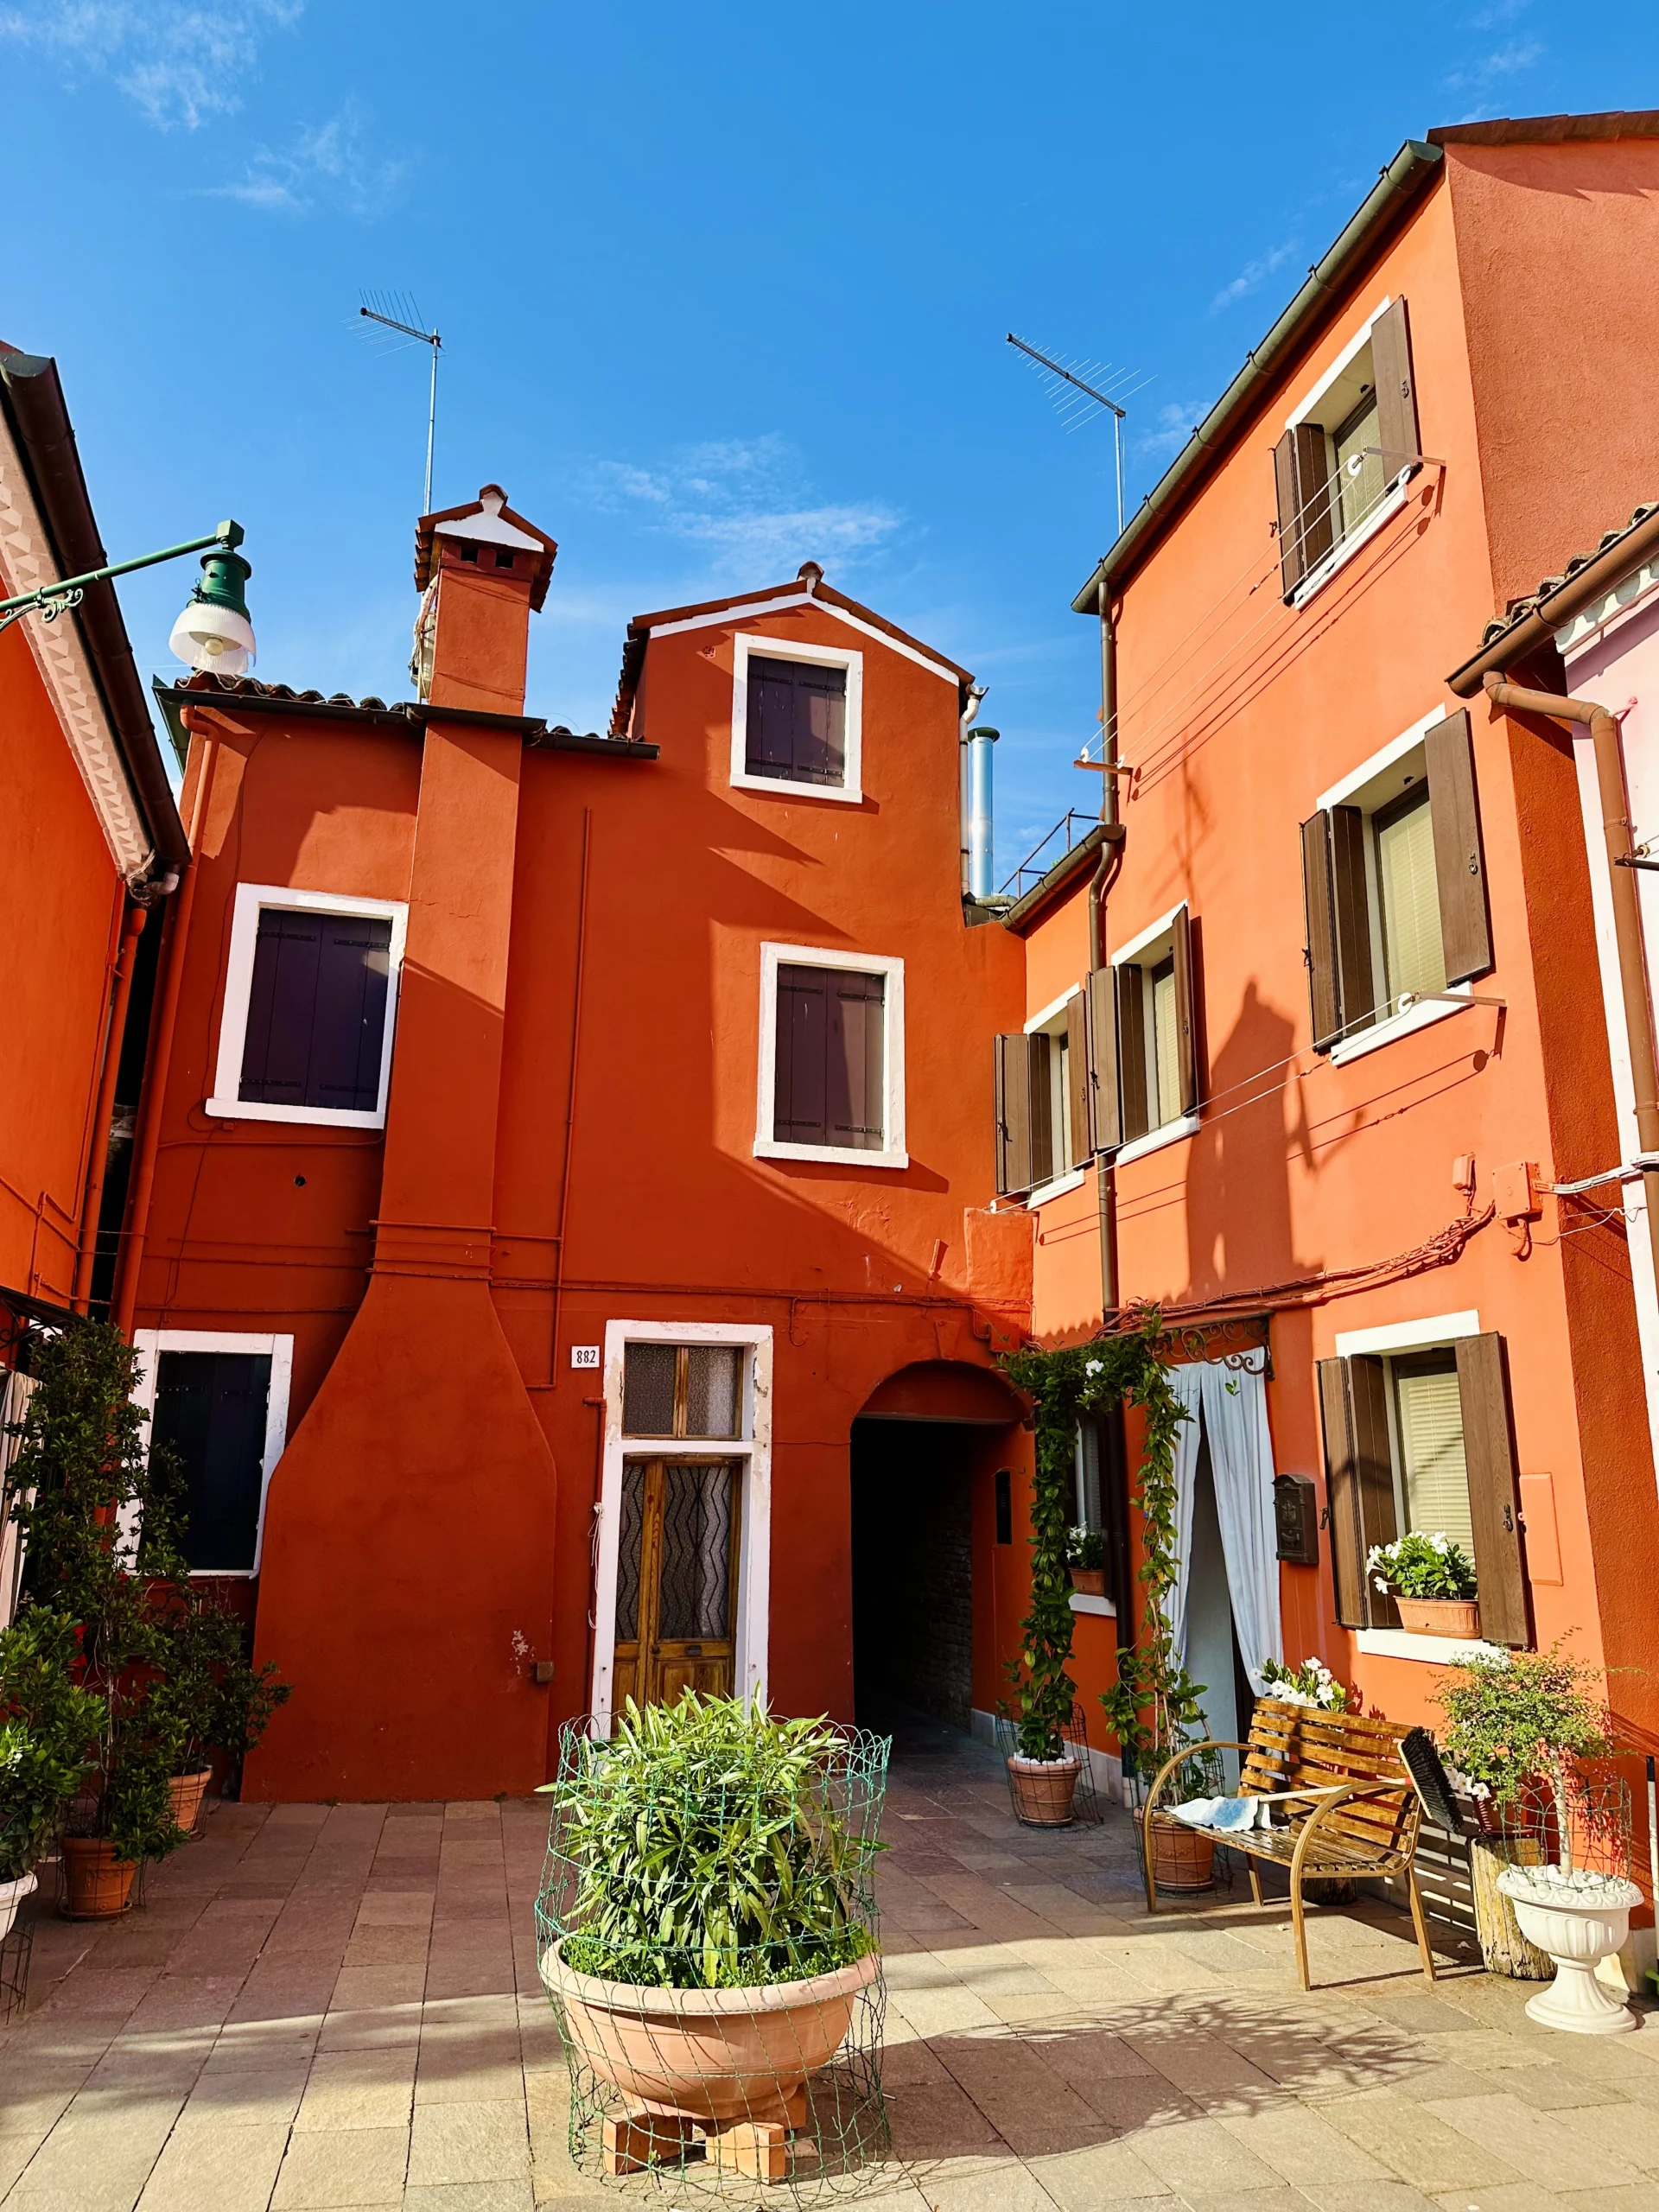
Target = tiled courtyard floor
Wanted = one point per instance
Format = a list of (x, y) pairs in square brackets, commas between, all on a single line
[(338, 2007)]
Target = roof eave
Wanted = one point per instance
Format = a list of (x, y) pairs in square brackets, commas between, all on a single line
[(1557, 607), (1042, 895)]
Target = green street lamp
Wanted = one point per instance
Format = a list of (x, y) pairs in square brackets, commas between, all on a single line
[(213, 633)]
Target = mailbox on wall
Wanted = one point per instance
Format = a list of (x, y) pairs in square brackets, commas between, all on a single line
[(1296, 1519)]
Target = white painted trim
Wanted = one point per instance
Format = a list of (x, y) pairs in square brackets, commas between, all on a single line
[(725, 614), (1081, 1602), (149, 1343), (849, 791), (1383, 760), (1073, 1180), (1430, 1650), (1155, 1140), (1423, 1015), (1148, 935), (1630, 597), (1344, 551), (1355, 346), (27, 559), (1428, 1335), (1054, 1006), (766, 1146), (225, 1105), (754, 1448)]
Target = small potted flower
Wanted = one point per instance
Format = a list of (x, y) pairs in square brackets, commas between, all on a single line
[(1085, 1556), (1433, 1581), (1312, 1683)]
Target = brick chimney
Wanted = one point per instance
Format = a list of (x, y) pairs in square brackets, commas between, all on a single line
[(482, 571)]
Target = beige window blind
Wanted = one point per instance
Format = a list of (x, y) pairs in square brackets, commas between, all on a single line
[(1433, 1475), (1412, 953)]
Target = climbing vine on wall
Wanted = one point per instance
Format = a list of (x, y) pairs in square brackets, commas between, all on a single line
[(1152, 1707)]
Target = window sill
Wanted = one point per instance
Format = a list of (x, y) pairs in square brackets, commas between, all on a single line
[(1103, 1607), (1340, 556), (833, 1155), (1074, 1180), (333, 1117), (786, 787), (1431, 1650), (1421, 1016), (1155, 1140)]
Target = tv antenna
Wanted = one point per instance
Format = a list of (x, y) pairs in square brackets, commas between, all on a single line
[(1065, 383), (396, 312)]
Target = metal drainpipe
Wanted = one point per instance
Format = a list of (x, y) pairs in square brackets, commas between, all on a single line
[(104, 1111), (1106, 868), (1627, 913)]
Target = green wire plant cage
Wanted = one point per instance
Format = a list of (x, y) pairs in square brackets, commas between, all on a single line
[(708, 1934)]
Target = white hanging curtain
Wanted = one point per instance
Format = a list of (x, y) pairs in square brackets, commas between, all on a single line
[(1241, 1458), (1185, 1382)]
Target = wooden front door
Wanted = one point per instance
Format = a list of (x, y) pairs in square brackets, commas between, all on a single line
[(677, 1580)]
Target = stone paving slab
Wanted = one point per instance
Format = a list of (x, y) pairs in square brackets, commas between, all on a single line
[(325, 2009)]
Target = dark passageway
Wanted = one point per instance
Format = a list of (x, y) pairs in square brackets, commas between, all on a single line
[(913, 1570)]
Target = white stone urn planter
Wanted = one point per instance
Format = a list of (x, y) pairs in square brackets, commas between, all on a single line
[(11, 1896), (1580, 1919)]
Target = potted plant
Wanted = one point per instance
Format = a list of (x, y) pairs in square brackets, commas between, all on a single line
[(209, 1697), (1525, 1725), (707, 1927), (1433, 1581), (47, 1726), (1312, 1683), (1085, 1556)]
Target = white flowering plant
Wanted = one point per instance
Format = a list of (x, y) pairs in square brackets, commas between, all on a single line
[(1418, 1566), (1085, 1547), (1312, 1683)]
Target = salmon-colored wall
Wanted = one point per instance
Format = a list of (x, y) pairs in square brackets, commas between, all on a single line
[(60, 899)]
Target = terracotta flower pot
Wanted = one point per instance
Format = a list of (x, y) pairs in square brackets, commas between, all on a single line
[(11, 1896), (96, 1884), (1089, 1581), (714, 2055), (1439, 1616), (1182, 1858), (1044, 1790), (189, 1790)]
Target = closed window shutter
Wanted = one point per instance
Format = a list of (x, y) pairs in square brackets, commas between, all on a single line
[(1040, 1060), (1459, 868), (1132, 1051), (1078, 1085), (1494, 1497), (797, 721), (1350, 906), (1106, 1126), (800, 1102), (1301, 481), (1186, 1043), (1012, 1065), (1397, 397), (210, 1413), (1318, 896), (316, 1011), (857, 1061), (276, 1045), (1359, 1481)]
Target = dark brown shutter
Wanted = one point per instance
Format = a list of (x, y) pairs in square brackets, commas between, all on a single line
[(796, 727), (1186, 1040), (1013, 1065), (1460, 870), (1301, 481), (1040, 1083), (1494, 1494), (1132, 1051), (1077, 1084), (1397, 397), (800, 1104), (856, 1082), (1351, 916), (1320, 954), (1106, 1125), (1359, 1484)]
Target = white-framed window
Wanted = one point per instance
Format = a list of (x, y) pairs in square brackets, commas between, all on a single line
[(310, 1007), (832, 1058), (219, 1401), (798, 718), (698, 1393), (1157, 1058), (1349, 449), (1058, 1076)]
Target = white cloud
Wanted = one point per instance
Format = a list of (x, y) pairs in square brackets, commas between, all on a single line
[(333, 163), (1174, 426), (180, 63), (1482, 76), (1253, 276)]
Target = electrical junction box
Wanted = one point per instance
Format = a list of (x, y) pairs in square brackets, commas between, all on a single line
[(1515, 1190), (1296, 1519)]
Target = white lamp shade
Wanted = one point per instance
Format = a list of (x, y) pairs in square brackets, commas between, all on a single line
[(213, 638)]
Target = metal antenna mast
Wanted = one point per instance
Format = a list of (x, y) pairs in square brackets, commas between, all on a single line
[(1058, 369), (407, 323)]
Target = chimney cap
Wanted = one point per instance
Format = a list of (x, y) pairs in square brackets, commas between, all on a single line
[(486, 520), (809, 573)]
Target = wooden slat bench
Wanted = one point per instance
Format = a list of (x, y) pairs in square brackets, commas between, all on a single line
[(1350, 1807)]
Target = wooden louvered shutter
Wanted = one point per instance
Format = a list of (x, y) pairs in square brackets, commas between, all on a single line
[(1459, 869), (1494, 1497), (1351, 912), (856, 1079), (800, 1104), (349, 1023), (1039, 1081), (1397, 397), (1359, 1484), (1186, 1039), (1013, 1066), (1134, 1118), (1077, 1084), (1301, 483), (1319, 897), (1106, 1125)]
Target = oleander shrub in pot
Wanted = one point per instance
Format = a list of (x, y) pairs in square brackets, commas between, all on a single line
[(1433, 1581)]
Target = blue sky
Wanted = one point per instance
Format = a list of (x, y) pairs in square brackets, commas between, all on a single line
[(721, 290)]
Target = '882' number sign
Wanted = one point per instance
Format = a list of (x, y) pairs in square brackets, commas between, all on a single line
[(584, 1355)]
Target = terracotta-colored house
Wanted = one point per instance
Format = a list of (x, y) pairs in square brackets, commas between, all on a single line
[(566, 1140), (1314, 1049)]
